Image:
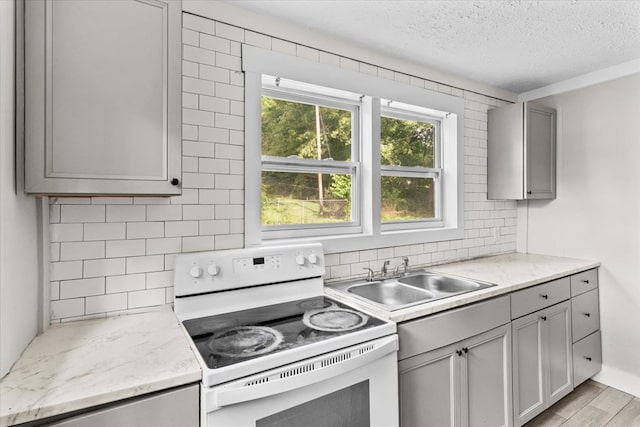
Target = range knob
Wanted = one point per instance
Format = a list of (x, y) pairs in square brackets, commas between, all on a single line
[(195, 271), (313, 258), (300, 259), (212, 269)]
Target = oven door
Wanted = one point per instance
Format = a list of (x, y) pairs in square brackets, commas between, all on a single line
[(356, 386)]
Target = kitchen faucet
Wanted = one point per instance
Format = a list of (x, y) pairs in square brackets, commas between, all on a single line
[(370, 274), (404, 264), (384, 270)]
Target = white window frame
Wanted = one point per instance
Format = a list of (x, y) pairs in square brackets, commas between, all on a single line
[(287, 90), (448, 109), (401, 111)]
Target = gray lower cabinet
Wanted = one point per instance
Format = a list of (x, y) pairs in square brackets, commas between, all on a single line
[(463, 383), (102, 97), (542, 360), (587, 350), (177, 407)]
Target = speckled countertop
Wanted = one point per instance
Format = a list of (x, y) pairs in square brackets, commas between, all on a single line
[(82, 364), (509, 272)]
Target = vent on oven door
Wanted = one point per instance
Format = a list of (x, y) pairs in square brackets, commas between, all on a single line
[(309, 367)]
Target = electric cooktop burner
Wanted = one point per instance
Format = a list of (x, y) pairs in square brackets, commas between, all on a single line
[(226, 339)]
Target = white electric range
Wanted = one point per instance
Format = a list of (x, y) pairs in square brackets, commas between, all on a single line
[(274, 350)]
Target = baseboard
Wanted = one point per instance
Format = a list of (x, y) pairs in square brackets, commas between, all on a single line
[(619, 379)]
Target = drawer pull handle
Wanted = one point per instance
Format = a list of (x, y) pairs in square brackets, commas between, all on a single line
[(459, 352), (545, 296), (544, 318), (585, 281), (588, 358), (465, 349), (587, 314)]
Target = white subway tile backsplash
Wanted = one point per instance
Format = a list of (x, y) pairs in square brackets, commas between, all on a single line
[(211, 134), (283, 46), (190, 37), (197, 117), (82, 213), (198, 23), (106, 303), (170, 245), (257, 39), (198, 180), (229, 241), (146, 298), (54, 252), (65, 232), (192, 212), (215, 74), (82, 287), (144, 230), (103, 267), (198, 149), (70, 251), (67, 308), (160, 279), (126, 213), (125, 248), (54, 292), (229, 32), (180, 228), (198, 243), (209, 103), (54, 214), (214, 227), (164, 212), (229, 62), (143, 264), (196, 54), (125, 283), (214, 43), (65, 270)]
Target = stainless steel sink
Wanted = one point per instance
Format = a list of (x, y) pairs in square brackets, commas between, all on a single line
[(415, 288), (390, 293), (441, 284)]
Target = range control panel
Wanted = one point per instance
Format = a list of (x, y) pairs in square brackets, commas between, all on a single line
[(202, 272)]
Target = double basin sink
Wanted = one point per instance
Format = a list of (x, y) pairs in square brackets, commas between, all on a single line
[(414, 288)]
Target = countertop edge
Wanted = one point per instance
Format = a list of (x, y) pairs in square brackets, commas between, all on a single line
[(88, 402)]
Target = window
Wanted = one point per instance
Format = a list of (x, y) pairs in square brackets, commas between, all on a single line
[(347, 159), (410, 167), (309, 157)]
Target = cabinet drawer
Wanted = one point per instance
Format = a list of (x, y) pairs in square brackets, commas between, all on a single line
[(585, 314), (583, 282), (587, 358), (428, 333), (538, 297)]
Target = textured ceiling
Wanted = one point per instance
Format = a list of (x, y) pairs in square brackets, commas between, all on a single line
[(514, 45)]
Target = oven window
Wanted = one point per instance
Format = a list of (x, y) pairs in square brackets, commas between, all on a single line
[(348, 407)]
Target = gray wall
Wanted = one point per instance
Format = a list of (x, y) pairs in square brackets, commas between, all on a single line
[(18, 220), (597, 211)]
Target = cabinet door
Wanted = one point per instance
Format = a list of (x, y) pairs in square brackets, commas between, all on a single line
[(528, 374), (486, 379), (429, 388), (102, 96), (540, 141), (558, 351)]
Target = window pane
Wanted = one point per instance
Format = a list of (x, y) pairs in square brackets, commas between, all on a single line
[(291, 129), (298, 198), (406, 143), (407, 198)]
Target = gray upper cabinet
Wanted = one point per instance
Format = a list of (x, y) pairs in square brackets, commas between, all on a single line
[(521, 150), (103, 97)]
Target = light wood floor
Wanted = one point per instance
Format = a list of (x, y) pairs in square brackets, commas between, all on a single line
[(592, 405)]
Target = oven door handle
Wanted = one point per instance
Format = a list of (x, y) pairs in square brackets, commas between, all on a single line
[(238, 392)]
